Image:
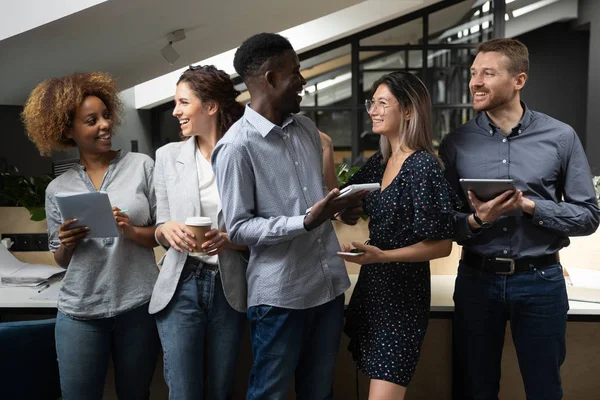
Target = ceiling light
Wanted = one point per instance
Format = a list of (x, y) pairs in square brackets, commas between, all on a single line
[(506, 17), (532, 7), (168, 52), (486, 6)]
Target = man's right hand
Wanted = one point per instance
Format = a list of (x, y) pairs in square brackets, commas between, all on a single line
[(330, 206), (490, 211)]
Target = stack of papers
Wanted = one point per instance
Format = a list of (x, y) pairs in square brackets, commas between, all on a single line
[(16, 273), (583, 285)]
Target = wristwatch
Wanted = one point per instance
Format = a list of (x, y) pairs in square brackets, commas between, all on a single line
[(482, 224)]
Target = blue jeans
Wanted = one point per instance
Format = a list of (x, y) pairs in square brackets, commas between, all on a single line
[(294, 343), (84, 347), (536, 304), (201, 335)]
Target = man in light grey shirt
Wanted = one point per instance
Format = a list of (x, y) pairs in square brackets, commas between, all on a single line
[(269, 172)]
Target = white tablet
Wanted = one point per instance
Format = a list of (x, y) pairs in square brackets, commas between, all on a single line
[(348, 253), (487, 189), (352, 189)]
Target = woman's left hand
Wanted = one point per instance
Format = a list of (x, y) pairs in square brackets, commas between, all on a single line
[(122, 220), (371, 255), (216, 241)]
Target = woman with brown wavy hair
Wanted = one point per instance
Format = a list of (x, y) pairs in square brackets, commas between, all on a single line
[(103, 299), (200, 295)]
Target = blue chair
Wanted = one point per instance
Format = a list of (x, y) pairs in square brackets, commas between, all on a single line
[(28, 366)]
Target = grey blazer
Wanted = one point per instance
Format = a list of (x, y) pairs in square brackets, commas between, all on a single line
[(178, 197)]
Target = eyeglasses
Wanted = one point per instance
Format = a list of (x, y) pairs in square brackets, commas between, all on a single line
[(377, 106)]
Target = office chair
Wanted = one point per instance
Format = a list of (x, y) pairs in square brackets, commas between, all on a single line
[(28, 366)]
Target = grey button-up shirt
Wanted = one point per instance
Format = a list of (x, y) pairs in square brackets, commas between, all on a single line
[(267, 177), (546, 160), (107, 276)]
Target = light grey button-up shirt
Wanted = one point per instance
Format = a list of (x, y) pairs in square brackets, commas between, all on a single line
[(546, 160), (107, 276), (267, 177)]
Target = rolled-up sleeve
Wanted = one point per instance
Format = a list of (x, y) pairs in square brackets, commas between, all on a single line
[(54, 220)]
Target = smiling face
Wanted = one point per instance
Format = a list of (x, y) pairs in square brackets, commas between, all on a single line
[(190, 111), (385, 113), (92, 126), (492, 85), (288, 82)]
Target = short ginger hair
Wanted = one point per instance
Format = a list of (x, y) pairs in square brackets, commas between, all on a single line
[(51, 106), (517, 53)]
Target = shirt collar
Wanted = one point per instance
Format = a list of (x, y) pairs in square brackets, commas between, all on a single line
[(120, 154), (526, 120), (263, 125)]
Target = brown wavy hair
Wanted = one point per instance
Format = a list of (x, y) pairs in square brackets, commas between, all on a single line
[(211, 84), (51, 107)]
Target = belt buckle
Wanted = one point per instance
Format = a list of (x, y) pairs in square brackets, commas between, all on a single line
[(510, 261)]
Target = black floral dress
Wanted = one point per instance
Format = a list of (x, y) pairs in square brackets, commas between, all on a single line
[(389, 310)]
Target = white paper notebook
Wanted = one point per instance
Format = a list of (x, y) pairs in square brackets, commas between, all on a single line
[(92, 209)]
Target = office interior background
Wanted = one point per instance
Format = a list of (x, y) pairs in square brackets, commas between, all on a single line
[(352, 44), (344, 46)]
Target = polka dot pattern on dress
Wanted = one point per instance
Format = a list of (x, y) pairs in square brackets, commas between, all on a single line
[(389, 309)]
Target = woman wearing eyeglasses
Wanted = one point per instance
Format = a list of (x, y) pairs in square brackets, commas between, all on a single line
[(410, 224), (200, 295)]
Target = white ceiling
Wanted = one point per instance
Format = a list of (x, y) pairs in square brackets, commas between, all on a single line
[(124, 38)]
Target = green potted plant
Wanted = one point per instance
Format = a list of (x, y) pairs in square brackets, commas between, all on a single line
[(25, 191)]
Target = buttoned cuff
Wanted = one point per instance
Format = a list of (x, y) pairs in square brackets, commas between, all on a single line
[(543, 213), (463, 230), (295, 225)]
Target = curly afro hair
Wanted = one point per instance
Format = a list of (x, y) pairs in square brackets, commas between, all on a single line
[(257, 49), (51, 107)]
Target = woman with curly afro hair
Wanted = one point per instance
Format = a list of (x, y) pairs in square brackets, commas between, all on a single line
[(103, 300), (200, 295)]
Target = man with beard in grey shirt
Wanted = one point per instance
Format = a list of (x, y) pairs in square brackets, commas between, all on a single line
[(509, 269)]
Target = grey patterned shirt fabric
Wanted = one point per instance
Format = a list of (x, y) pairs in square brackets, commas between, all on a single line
[(546, 160), (107, 276), (267, 177)]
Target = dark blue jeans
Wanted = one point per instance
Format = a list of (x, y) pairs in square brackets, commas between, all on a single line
[(300, 344), (85, 346), (536, 304), (201, 336)]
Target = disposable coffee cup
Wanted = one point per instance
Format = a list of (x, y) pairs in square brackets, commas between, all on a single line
[(199, 226)]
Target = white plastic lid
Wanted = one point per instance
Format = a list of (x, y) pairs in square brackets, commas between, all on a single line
[(198, 221)]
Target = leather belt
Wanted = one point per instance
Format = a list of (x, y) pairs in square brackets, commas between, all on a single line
[(507, 266)]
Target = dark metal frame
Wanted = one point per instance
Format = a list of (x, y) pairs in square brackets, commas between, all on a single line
[(356, 108)]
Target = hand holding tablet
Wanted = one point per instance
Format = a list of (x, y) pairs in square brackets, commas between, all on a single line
[(351, 189), (487, 189)]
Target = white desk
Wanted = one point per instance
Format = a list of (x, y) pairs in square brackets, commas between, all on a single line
[(442, 289), (21, 297)]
